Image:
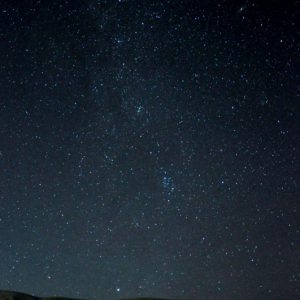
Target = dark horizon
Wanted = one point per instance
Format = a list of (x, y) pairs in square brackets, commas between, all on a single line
[(24, 296)]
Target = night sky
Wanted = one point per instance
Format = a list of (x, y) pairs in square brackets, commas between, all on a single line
[(149, 148)]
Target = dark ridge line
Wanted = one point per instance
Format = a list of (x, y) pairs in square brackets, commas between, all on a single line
[(25, 296)]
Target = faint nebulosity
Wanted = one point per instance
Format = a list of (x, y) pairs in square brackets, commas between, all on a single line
[(149, 148)]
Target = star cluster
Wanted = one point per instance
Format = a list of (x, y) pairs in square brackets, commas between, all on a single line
[(149, 148)]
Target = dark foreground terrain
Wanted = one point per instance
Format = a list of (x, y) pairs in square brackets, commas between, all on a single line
[(11, 295)]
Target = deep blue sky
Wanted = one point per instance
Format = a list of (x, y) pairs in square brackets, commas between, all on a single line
[(149, 148)]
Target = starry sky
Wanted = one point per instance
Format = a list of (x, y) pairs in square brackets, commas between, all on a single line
[(149, 148)]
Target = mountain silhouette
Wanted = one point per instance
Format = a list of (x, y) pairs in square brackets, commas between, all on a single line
[(12, 295)]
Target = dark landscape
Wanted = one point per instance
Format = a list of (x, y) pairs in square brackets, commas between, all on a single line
[(11, 295)]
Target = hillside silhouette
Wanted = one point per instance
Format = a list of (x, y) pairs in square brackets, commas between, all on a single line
[(12, 295)]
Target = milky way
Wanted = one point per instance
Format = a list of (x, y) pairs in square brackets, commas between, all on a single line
[(149, 148)]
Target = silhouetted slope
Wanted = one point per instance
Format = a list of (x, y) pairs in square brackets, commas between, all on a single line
[(11, 295)]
